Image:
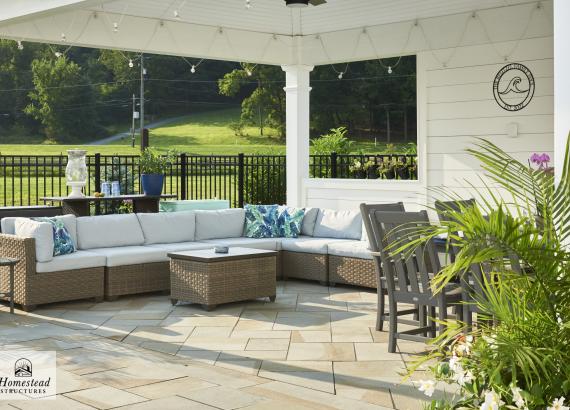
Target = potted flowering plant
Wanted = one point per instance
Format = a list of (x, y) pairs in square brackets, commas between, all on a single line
[(387, 169), (517, 356), (357, 169), (153, 166), (371, 169), (401, 168)]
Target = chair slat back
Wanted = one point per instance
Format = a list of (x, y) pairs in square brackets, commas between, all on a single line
[(443, 208), (367, 212), (393, 229)]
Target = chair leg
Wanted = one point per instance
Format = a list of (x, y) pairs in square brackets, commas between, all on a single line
[(432, 316), (468, 317), (422, 317), (380, 310), (393, 316), (442, 308)]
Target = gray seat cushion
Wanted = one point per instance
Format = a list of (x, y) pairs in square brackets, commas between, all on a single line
[(168, 227), (76, 260), (108, 231), (350, 249), (131, 255), (181, 246), (223, 223), (270, 244), (338, 224), (307, 244)]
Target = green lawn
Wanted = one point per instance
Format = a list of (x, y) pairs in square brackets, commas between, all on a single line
[(200, 133)]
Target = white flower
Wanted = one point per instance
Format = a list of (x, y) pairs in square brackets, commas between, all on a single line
[(453, 363), (463, 378), (492, 401), (427, 386), (517, 398), (558, 404)]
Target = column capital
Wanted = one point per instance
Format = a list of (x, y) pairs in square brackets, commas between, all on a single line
[(297, 67)]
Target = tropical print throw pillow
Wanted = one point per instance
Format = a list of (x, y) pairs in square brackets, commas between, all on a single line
[(62, 242), (289, 221), (261, 221)]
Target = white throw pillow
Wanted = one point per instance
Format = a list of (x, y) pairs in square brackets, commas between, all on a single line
[(338, 224), (107, 231), (223, 223), (168, 227), (309, 221), (42, 232)]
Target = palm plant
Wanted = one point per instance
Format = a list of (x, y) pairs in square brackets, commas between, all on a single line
[(518, 356)]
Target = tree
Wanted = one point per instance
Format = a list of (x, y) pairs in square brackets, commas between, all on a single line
[(63, 100), (264, 103)]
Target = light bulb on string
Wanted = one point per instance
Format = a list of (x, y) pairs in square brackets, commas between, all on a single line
[(248, 72), (20, 45), (193, 69), (176, 15), (389, 69), (63, 37), (340, 75), (58, 54), (131, 64), (248, 4), (115, 27)]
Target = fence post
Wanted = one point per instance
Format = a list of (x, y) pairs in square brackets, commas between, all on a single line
[(241, 179), (334, 157), (97, 166), (183, 177)]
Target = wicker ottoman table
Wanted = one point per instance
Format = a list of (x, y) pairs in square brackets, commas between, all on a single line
[(211, 278)]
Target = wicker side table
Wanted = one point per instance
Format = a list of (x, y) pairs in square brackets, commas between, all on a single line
[(211, 279), (11, 263)]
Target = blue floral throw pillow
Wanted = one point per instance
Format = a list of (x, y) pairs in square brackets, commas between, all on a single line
[(62, 242), (289, 221), (261, 221)]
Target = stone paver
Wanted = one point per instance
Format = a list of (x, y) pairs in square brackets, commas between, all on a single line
[(314, 348)]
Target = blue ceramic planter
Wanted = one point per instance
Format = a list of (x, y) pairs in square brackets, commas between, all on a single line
[(152, 184)]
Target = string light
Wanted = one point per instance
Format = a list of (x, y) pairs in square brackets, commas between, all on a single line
[(389, 69), (340, 75), (58, 54), (115, 27), (193, 69), (131, 64), (176, 15), (63, 37), (20, 45), (248, 4)]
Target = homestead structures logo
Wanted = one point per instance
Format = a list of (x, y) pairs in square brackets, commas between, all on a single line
[(27, 375), (513, 87), (23, 368)]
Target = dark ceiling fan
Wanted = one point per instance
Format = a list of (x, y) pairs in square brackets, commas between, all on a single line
[(304, 3)]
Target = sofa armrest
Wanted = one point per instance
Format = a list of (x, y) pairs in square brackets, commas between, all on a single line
[(24, 249)]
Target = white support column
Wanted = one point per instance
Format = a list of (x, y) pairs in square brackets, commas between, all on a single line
[(297, 88), (561, 82)]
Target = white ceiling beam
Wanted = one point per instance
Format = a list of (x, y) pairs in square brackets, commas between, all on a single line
[(25, 10)]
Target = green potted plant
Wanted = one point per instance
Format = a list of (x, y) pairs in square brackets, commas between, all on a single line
[(401, 168), (153, 166), (387, 170), (371, 169), (357, 169)]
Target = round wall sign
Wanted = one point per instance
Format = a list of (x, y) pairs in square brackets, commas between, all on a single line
[(513, 87)]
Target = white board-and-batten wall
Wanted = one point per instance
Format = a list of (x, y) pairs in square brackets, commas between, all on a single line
[(456, 105)]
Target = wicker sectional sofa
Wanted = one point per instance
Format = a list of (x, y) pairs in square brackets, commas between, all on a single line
[(127, 254)]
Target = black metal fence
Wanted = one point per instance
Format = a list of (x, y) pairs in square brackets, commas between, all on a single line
[(25, 179)]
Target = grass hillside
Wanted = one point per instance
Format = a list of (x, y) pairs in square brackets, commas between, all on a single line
[(200, 133)]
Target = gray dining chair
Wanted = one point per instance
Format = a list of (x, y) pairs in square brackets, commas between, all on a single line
[(408, 275), (367, 212)]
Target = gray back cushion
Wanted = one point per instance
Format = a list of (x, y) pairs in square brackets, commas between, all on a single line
[(7, 225), (108, 231), (309, 221), (338, 224), (168, 227), (42, 232), (223, 223)]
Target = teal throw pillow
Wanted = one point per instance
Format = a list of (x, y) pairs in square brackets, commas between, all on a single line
[(289, 221), (62, 242), (261, 221)]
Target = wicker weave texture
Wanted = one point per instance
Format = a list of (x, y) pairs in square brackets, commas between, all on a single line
[(213, 283), (301, 265), (140, 278), (352, 271), (31, 288)]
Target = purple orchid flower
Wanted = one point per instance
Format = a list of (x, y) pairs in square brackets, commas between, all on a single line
[(541, 160)]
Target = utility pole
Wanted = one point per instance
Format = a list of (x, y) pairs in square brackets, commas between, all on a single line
[(143, 72), (134, 118)]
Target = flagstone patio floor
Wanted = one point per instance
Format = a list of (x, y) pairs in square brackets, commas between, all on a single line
[(314, 348)]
